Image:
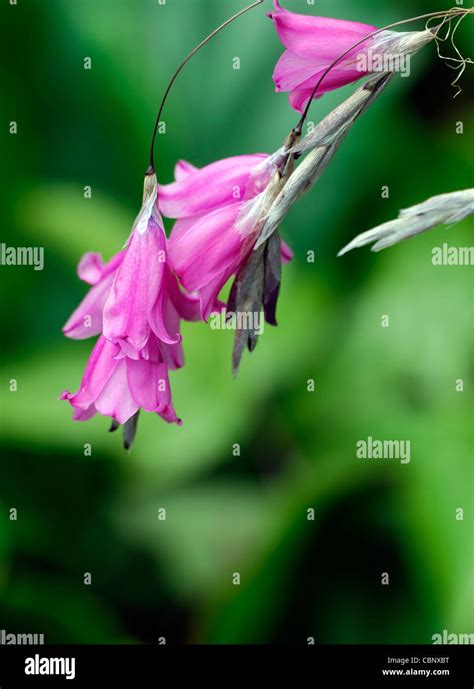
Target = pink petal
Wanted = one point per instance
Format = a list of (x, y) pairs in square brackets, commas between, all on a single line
[(149, 385), (90, 268), (136, 287), (218, 184), (183, 169), (116, 400), (333, 80), (286, 252), (209, 249), (209, 296), (173, 356), (337, 77), (159, 352), (86, 320), (182, 225), (162, 327), (99, 370), (299, 99), (169, 415), (84, 414), (317, 38), (291, 70), (186, 305)]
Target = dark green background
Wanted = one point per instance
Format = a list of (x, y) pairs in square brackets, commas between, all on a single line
[(228, 514)]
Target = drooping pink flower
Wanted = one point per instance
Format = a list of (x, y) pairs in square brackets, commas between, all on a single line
[(312, 45), (213, 234), (137, 305), (115, 385)]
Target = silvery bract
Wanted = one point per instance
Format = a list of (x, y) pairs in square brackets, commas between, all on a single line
[(445, 209)]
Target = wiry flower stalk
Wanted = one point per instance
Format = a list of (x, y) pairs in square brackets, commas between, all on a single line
[(190, 55), (445, 209)]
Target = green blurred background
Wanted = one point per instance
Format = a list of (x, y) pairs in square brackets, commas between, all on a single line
[(226, 513)]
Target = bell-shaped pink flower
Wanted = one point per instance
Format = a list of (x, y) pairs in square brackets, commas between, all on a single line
[(136, 303), (213, 234), (312, 44), (115, 385)]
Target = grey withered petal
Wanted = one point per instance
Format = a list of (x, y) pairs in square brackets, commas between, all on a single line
[(272, 277), (130, 430), (246, 298), (113, 426)]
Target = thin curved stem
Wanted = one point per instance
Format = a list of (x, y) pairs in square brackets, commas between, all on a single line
[(151, 169)]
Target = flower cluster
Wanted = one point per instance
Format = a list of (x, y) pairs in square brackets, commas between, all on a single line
[(136, 303), (226, 226)]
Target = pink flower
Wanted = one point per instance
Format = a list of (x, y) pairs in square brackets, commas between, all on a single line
[(214, 233), (312, 44), (115, 385), (136, 303)]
